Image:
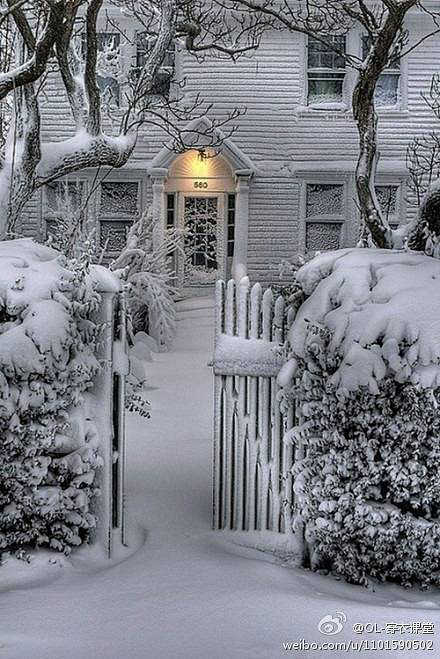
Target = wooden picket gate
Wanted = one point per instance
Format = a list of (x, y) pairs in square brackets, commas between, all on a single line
[(252, 487)]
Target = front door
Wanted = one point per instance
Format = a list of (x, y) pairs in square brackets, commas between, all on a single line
[(201, 221)]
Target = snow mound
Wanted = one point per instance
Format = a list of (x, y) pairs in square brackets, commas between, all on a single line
[(382, 308)]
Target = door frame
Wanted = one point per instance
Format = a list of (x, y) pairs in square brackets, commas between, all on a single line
[(221, 232)]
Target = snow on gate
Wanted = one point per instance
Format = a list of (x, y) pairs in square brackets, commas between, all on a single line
[(252, 488)]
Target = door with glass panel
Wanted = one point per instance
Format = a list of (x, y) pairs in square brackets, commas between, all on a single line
[(202, 226)]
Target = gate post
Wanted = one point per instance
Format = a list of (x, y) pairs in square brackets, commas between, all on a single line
[(106, 403)]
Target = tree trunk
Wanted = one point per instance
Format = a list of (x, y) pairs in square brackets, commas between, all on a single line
[(372, 220)]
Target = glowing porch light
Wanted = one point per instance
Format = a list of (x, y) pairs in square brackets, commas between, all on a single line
[(200, 164)]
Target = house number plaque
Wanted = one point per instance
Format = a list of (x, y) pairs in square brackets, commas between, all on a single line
[(200, 185)]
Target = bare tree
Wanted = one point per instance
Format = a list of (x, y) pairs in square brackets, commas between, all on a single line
[(62, 37), (383, 24), (423, 162)]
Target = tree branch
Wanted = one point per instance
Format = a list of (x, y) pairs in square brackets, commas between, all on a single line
[(92, 90), (36, 65)]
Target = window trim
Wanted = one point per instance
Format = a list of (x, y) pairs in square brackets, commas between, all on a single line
[(353, 45)]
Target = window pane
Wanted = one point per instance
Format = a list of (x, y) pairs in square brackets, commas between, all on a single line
[(119, 198), (63, 197), (324, 199), (387, 90), (323, 235), (387, 198), (113, 235), (394, 62), (322, 55), (107, 65), (328, 90), (162, 83)]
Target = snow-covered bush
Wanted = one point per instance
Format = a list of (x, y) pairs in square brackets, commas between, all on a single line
[(48, 449), (146, 270), (365, 370)]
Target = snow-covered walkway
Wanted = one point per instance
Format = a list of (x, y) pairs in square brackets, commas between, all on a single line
[(185, 592)]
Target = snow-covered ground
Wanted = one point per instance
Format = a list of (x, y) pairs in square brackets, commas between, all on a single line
[(184, 591)]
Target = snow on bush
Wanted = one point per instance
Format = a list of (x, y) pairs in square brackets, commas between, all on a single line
[(48, 451), (365, 369), (145, 268)]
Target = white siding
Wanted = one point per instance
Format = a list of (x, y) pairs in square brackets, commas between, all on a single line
[(282, 139)]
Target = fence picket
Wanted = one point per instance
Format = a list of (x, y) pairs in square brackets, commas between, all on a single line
[(253, 486)]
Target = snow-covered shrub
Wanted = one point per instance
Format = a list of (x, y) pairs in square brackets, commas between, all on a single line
[(48, 449), (365, 370), (146, 270)]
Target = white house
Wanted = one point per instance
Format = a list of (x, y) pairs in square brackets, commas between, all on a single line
[(283, 182)]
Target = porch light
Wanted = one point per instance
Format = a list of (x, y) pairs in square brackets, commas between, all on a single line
[(200, 164)]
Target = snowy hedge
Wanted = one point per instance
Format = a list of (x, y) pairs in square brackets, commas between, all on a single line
[(365, 366), (48, 450)]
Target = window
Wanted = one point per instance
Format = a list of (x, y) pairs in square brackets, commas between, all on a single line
[(162, 82), (324, 215), (119, 198), (108, 64), (113, 236), (325, 71), (231, 223), (119, 207), (62, 201), (388, 198), (387, 92), (171, 210)]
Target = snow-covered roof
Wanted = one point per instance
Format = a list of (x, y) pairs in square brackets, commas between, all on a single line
[(383, 309)]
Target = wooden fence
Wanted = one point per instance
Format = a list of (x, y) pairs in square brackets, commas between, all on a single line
[(252, 481)]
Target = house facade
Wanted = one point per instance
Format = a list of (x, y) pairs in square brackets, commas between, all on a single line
[(281, 184)]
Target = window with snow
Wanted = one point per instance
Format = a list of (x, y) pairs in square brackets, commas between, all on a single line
[(162, 83), (113, 235), (387, 92), (119, 198), (63, 200), (387, 196), (324, 216), (325, 70), (119, 207)]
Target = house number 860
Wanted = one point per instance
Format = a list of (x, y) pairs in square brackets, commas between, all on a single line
[(200, 185)]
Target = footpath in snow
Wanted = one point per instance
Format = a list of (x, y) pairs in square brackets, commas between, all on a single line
[(186, 592)]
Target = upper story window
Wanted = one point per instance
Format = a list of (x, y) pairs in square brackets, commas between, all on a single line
[(387, 92), (325, 215), (162, 83), (108, 65), (326, 70)]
